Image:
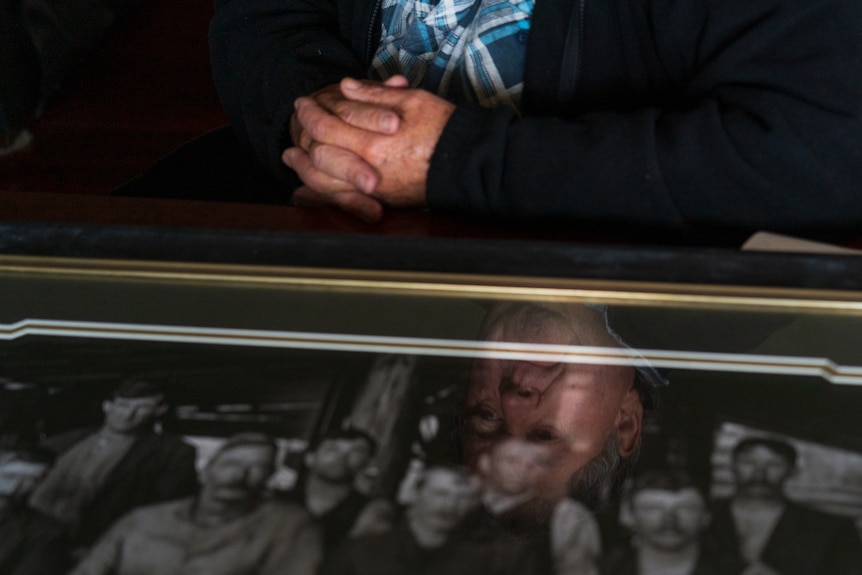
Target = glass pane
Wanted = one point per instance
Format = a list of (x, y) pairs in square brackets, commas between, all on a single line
[(513, 429)]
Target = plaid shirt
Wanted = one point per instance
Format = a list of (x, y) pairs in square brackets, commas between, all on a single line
[(463, 50)]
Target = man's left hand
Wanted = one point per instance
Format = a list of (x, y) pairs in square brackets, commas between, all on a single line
[(402, 159)]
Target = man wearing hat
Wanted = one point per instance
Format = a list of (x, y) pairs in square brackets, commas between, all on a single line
[(101, 474), (668, 515)]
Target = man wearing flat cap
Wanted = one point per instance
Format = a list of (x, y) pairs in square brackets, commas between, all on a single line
[(103, 473)]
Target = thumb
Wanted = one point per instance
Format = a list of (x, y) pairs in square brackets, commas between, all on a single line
[(397, 81)]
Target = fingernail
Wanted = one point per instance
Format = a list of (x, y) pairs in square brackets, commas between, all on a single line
[(362, 182), (351, 84), (388, 123)]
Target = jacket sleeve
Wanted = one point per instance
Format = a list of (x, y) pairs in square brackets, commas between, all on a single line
[(265, 54), (756, 126)]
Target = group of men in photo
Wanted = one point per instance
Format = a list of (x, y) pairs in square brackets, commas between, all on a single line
[(757, 531), (547, 453), (124, 498), (456, 521)]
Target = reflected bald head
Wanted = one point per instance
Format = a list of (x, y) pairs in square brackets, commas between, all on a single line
[(572, 409)]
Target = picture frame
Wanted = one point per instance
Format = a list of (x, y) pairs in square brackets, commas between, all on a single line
[(297, 336)]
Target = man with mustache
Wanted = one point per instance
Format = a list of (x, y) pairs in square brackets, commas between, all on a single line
[(668, 516), (229, 528), (774, 535)]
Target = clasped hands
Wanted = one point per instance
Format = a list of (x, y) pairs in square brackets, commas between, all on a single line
[(360, 145)]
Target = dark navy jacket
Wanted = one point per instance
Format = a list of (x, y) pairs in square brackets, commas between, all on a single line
[(805, 541), (741, 114)]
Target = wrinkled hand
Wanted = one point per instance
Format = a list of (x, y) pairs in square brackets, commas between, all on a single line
[(358, 114), (400, 160), (343, 178)]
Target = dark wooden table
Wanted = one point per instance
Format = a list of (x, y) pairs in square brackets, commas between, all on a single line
[(106, 210)]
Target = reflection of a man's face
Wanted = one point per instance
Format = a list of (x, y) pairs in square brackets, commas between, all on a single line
[(571, 409)]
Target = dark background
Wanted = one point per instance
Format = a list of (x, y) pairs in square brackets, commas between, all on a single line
[(143, 91)]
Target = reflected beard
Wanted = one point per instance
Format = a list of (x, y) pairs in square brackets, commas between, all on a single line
[(595, 484), (601, 480)]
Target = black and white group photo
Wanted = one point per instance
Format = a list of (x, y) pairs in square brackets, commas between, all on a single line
[(574, 454)]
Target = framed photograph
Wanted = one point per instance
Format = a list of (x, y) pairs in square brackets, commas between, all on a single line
[(177, 401)]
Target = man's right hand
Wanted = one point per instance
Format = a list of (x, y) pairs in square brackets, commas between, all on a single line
[(326, 165), (370, 117)]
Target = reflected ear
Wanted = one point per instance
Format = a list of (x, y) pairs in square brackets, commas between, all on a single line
[(629, 422), (106, 406)]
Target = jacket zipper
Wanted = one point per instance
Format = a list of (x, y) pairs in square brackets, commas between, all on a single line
[(572, 54), (375, 24)]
